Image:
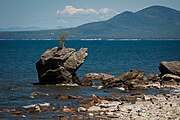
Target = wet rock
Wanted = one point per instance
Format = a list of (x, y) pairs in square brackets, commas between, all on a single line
[(88, 105), (39, 93), (90, 114), (7, 110), (86, 83), (134, 77), (128, 80), (41, 117), (60, 65), (69, 110), (61, 117), (66, 97), (111, 97), (172, 67), (94, 98), (154, 78), (17, 113), (170, 79), (128, 98), (77, 117), (82, 109), (139, 96), (156, 85), (37, 108), (98, 76), (138, 87)]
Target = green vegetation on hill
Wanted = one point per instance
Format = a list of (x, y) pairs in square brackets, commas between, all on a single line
[(156, 22)]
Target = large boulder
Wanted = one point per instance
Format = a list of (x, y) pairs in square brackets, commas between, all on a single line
[(58, 65), (170, 68)]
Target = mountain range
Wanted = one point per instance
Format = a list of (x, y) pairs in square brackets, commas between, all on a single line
[(155, 22)]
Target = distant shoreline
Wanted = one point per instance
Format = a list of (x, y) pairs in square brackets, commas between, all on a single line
[(102, 39)]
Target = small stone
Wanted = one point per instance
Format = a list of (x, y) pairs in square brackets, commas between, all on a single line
[(146, 97), (69, 110), (88, 105), (109, 113), (82, 109), (90, 114), (5, 110), (39, 93), (65, 97), (37, 108), (101, 113), (17, 113)]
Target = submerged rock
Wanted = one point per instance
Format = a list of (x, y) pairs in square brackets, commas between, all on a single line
[(60, 65), (66, 97), (170, 68)]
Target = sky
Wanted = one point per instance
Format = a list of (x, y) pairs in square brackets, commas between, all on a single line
[(69, 13)]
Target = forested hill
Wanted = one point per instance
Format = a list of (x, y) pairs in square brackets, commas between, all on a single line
[(155, 22)]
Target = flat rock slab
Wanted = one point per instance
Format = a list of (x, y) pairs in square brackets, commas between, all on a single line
[(172, 67)]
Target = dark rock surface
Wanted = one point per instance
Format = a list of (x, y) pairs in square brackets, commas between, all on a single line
[(128, 80), (172, 67), (170, 79), (58, 65)]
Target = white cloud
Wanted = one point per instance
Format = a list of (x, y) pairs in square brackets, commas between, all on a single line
[(72, 16), (107, 11), (70, 10)]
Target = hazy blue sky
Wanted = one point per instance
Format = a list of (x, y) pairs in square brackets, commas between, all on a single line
[(68, 13)]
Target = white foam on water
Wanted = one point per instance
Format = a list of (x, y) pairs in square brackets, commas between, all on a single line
[(67, 84), (39, 104), (97, 86), (121, 88), (176, 91)]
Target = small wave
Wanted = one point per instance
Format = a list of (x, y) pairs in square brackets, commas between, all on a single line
[(97, 86), (67, 85), (39, 104), (175, 91), (121, 88)]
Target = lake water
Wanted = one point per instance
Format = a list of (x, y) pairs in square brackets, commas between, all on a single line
[(18, 58)]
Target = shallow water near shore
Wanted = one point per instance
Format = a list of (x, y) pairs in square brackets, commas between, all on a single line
[(18, 73)]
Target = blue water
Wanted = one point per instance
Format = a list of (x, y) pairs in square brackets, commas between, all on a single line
[(18, 58)]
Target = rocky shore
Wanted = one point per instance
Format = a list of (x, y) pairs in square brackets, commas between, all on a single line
[(114, 106), (137, 80), (58, 66)]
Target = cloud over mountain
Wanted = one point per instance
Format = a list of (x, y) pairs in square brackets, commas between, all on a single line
[(78, 16), (70, 10)]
